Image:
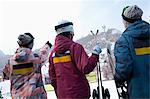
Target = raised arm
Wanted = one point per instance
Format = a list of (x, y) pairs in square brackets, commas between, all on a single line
[(43, 53), (84, 63)]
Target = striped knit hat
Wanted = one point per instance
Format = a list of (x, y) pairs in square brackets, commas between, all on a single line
[(132, 13)]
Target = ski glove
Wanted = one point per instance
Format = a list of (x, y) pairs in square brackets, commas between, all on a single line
[(49, 44), (96, 50)]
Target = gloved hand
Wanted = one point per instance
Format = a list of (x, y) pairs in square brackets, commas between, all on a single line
[(49, 44), (96, 50)]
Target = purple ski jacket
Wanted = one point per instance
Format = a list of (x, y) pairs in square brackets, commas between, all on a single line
[(67, 72)]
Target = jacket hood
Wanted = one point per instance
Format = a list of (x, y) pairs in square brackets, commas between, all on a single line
[(62, 44), (139, 29)]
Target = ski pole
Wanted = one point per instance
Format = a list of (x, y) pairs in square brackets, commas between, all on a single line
[(99, 81)]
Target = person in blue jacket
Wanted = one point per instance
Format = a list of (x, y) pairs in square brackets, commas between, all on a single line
[(132, 53)]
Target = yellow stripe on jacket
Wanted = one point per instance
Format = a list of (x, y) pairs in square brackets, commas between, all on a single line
[(22, 71), (142, 51), (66, 58)]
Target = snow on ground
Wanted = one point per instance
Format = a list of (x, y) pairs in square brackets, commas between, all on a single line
[(107, 84), (5, 87)]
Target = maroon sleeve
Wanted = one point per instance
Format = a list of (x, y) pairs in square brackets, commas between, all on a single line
[(84, 63), (92, 63)]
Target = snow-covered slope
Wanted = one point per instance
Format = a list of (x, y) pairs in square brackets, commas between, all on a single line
[(5, 88), (1, 53)]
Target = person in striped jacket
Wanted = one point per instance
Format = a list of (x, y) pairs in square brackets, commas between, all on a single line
[(25, 69)]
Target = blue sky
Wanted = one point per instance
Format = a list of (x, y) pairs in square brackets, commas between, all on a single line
[(40, 16), (108, 12)]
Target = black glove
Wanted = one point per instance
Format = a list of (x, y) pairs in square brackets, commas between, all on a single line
[(49, 44)]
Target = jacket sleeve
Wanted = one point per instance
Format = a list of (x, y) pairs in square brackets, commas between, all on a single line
[(42, 55), (7, 71), (84, 63), (124, 62)]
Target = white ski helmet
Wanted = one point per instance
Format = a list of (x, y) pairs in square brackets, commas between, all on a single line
[(64, 26)]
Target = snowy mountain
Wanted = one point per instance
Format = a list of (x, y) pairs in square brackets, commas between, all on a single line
[(103, 38), (1, 53)]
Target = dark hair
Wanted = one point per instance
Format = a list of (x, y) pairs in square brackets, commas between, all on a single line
[(66, 34)]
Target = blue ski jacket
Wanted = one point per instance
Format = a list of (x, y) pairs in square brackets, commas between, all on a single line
[(132, 53)]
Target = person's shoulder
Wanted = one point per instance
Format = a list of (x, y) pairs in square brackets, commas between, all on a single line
[(123, 38), (77, 45), (126, 32)]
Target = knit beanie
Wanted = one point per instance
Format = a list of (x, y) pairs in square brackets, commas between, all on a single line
[(132, 13), (64, 26)]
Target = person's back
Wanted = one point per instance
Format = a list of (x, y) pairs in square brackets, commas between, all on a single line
[(25, 70), (68, 65), (139, 42), (132, 51)]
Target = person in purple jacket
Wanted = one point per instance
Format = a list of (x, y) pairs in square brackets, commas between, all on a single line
[(69, 63)]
